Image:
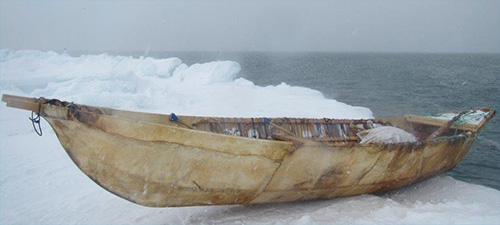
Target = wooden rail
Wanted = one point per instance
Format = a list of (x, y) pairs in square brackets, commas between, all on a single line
[(441, 122), (30, 104)]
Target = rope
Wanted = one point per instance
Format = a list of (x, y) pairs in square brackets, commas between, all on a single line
[(449, 137), (36, 120), (476, 138), (462, 120)]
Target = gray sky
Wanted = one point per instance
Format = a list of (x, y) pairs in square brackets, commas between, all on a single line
[(361, 26)]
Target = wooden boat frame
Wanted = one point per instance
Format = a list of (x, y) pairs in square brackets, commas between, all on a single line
[(168, 160)]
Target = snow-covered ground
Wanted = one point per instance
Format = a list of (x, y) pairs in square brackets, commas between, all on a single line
[(39, 184)]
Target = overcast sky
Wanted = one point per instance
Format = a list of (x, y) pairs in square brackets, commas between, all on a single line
[(340, 26)]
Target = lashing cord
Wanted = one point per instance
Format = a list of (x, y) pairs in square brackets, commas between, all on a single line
[(36, 120)]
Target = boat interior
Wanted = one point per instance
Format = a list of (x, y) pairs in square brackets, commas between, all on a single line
[(323, 129)]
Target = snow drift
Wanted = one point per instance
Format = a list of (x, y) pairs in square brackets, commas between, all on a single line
[(161, 85), (40, 184)]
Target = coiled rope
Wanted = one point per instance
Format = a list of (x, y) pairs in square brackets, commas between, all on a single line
[(35, 120)]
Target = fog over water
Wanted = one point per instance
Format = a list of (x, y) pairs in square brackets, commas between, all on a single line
[(339, 26)]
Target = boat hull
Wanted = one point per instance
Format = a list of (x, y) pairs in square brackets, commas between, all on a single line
[(159, 160), (151, 167)]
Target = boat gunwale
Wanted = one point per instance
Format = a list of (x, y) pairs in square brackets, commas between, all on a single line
[(42, 103), (389, 146)]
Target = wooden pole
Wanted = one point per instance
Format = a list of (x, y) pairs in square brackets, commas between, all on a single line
[(30, 104), (445, 127)]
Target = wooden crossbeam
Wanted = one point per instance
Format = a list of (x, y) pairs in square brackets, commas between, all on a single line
[(439, 122), (30, 104)]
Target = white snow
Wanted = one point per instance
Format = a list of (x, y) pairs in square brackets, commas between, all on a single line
[(39, 184), (161, 85)]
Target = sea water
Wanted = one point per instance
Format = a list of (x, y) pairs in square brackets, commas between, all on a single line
[(390, 84)]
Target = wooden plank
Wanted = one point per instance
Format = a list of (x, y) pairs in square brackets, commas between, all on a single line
[(282, 129), (438, 122), (7, 97), (445, 127), (19, 102)]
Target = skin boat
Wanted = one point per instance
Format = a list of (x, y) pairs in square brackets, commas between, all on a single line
[(168, 160)]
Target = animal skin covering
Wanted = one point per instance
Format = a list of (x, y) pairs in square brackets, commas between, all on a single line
[(385, 134)]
